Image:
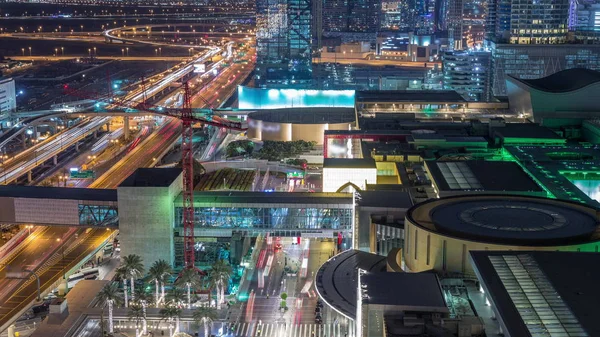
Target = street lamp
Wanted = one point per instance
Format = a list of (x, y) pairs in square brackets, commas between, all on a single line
[(29, 227), (62, 50), (30, 51), (23, 51)]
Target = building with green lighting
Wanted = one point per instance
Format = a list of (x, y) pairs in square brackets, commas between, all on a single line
[(150, 218), (567, 94), (565, 172)]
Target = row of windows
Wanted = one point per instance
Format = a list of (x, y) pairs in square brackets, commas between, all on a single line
[(269, 218)]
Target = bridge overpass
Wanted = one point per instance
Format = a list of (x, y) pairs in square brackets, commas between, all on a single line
[(55, 206)]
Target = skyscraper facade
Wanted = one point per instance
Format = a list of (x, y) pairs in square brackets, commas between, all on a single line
[(354, 16), (528, 21), (536, 61), (449, 17), (467, 72), (284, 41)]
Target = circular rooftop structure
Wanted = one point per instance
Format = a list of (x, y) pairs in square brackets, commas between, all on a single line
[(307, 124), (455, 225)]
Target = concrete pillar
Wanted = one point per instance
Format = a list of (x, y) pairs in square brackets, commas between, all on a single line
[(107, 127), (35, 134), (77, 146), (126, 127), (95, 133), (29, 178), (55, 159), (11, 330)]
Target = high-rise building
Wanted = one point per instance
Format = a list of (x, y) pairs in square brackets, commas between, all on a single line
[(536, 61), (8, 102), (284, 42), (467, 72), (352, 16), (528, 21), (450, 18), (398, 15)]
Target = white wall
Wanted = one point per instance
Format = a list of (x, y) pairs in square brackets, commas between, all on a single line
[(8, 101), (146, 217), (334, 178)]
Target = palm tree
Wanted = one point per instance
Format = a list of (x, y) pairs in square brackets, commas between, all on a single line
[(121, 275), (190, 278), (110, 295), (160, 272), (134, 268), (169, 313), (219, 275), (205, 316), (176, 297), (136, 314), (143, 299)]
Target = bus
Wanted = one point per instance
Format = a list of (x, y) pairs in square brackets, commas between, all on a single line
[(83, 274)]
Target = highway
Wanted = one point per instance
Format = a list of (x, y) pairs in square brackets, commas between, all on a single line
[(54, 257), (123, 58), (37, 155), (142, 156), (366, 62), (49, 267)]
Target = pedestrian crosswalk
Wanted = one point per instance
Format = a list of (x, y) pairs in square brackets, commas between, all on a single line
[(257, 329)]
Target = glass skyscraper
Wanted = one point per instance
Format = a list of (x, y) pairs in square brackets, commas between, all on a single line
[(284, 41)]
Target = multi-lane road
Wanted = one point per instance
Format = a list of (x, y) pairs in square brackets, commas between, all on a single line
[(260, 316), (29, 159), (76, 244)]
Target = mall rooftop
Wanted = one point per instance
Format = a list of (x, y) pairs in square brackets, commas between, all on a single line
[(470, 176), (553, 294)]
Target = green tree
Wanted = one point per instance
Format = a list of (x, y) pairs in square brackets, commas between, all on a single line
[(205, 316), (170, 314), (176, 297), (136, 314), (121, 275), (219, 276), (191, 279), (160, 272), (143, 299), (134, 268), (109, 296)]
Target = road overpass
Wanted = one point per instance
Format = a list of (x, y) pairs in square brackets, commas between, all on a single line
[(121, 58), (24, 162)]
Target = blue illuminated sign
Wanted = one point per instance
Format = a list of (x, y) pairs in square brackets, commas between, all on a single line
[(255, 98)]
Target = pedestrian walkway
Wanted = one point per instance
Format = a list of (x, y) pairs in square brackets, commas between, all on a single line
[(287, 330)]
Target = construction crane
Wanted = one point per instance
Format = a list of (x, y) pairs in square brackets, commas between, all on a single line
[(188, 119)]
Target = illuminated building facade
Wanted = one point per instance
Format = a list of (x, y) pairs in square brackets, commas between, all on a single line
[(8, 102), (224, 218), (284, 42), (308, 124), (467, 72), (440, 233), (545, 23), (253, 98), (536, 61), (449, 17), (360, 16), (342, 173)]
